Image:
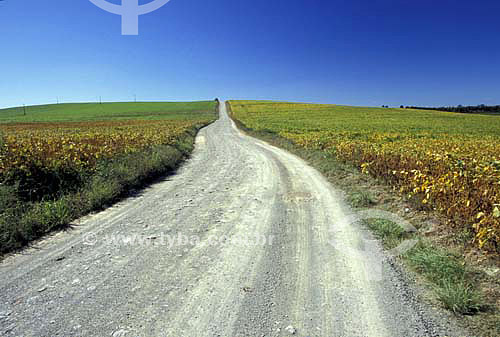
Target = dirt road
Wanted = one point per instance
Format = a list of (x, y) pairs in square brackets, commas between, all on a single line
[(183, 259)]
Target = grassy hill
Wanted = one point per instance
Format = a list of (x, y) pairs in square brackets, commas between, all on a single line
[(70, 112)]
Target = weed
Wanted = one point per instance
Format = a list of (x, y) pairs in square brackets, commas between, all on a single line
[(361, 199), (451, 280)]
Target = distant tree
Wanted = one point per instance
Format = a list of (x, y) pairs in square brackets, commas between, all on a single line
[(401, 107)]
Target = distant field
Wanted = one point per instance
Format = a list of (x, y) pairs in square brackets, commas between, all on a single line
[(444, 160), (58, 162), (104, 111)]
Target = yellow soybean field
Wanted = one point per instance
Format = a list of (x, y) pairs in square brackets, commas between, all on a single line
[(446, 161), (79, 145)]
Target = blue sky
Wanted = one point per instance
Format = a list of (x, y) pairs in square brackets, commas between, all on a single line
[(374, 52)]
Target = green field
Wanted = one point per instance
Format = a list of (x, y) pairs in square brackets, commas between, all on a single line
[(303, 117), (72, 112)]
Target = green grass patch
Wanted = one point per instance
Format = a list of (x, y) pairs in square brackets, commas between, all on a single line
[(388, 232), (447, 274), (361, 199), (452, 281)]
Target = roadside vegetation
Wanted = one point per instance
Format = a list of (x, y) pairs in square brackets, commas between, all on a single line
[(450, 279), (60, 162), (441, 165)]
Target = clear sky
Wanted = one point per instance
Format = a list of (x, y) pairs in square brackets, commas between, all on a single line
[(373, 52)]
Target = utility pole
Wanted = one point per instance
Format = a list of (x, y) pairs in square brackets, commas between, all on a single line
[(24, 109), (135, 98), (100, 100), (57, 99)]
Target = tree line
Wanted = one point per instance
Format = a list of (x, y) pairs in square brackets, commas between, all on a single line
[(481, 108)]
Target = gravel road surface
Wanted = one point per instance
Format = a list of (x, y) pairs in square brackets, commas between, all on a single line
[(240, 242)]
